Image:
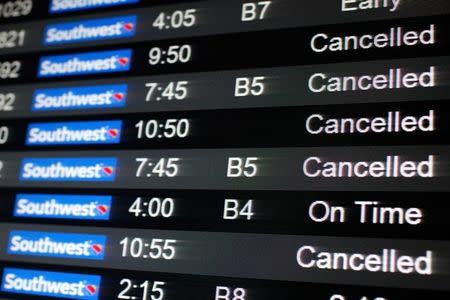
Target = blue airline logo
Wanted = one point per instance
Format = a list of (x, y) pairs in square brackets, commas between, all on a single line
[(85, 63), (92, 30), (74, 133), (81, 207), (97, 169), (61, 6), (50, 244), (75, 98), (51, 284)]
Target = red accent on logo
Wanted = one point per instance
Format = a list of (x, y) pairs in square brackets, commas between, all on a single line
[(128, 26), (123, 61), (113, 133), (102, 208), (92, 289), (97, 248), (108, 170), (119, 96)]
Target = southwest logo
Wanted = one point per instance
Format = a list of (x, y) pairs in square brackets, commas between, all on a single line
[(108, 170), (51, 284), (74, 133), (76, 98), (97, 169), (124, 61), (81, 207), (91, 289), (61, 6), (85, 63), (92, 30), (119, 96), (50, 244), (103, 209)]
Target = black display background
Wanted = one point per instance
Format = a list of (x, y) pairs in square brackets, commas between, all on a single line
[(251, 128)]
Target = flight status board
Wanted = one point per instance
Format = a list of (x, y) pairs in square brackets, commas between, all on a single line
[(224, 149)]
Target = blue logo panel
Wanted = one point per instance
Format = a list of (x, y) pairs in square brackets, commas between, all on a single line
[(99, 169), (74, 133), (62, 245), (85, 63), (51, 284), (92, 30), (80, 207), (77, 98), (61, 6)]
